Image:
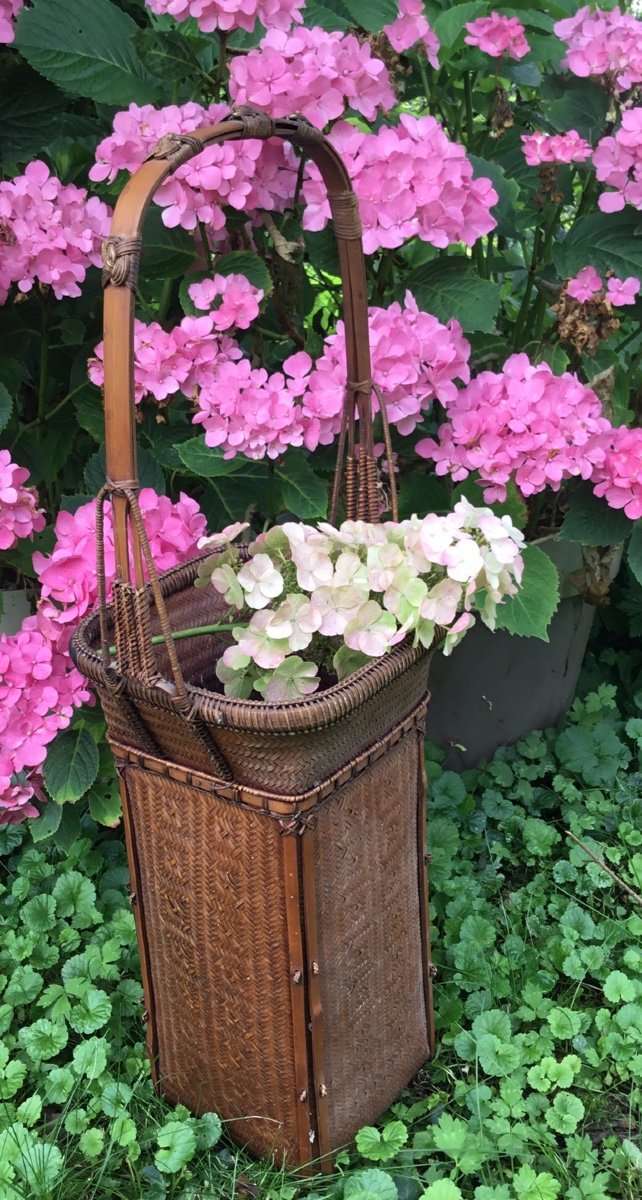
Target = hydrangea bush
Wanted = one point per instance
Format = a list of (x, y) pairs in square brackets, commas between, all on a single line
[(496, 155)]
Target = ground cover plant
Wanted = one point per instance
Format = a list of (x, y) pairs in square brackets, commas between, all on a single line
[(536, 1091), (496, 160)]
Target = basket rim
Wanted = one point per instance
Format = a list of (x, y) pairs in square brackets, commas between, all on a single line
[(287, 716)]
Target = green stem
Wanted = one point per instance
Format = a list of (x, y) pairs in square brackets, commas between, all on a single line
[(44, 362), (206, 246), (521, 316), (179, 634), (468, 101)]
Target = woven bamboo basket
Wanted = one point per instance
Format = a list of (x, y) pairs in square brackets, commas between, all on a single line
[(277, 851)]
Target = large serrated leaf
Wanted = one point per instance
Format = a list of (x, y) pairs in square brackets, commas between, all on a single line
[(31, 113), (243, 262), (608, 241), (507, 191), (450, 287), (450, 24), (372, 14), (71, 766), (85, 49), (167, 253), (150, 473), (591, 522), (322, 251), (529, 613), (6, 405), (634, 556), (304, 493), (207, 461)]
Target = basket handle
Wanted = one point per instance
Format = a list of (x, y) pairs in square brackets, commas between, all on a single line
[(121, 255)]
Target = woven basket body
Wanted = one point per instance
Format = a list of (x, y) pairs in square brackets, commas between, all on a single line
[(276, 851)]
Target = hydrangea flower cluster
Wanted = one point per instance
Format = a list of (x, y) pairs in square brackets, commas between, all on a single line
[(231, 14), (311, 72), (619, 478), (603, 43), (231, 300), (363, 587), (244, 175), (523, 424), (39, 686), (242, 409), (411, 27), (542, 148), (411, 181), (19, 515), (9, 10), (587, 284), (49, 231), (179, 360), (618, 163), (497, 35)]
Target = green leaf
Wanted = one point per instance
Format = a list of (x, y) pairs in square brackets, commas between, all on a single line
[(369, 1185), (497, 1057), (170, 54), (59, 1085), (618, 988), (449, 25), (529, 1185), (322, 251), (209, 1129), (90, 1057), (76, 897), (44, 1039), (85, 49), (92, 1142), (507, 190), (324, 18), (608, 241), (104, 804), (207, 461), (30, 112), (115, 1097), (39, 914), (88, 407), (23, 987), (177, 1145), (442, 1189), (304, 493), (529, 613), (46, 825), (91, 1013), (591, 522), (71, 765), (634, 553), (167, 253), (243, 262), (40, 1164), (450, 287), (6, 406), (566, 1113), (371, 15), (380, 1145), (564, 1023), (29, 1112), (582, 106)]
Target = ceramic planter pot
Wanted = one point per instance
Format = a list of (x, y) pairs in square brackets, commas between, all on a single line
[(495, 687)]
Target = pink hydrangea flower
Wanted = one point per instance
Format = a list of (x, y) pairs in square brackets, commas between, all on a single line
[(19, 515), (523, 424), (618, 163), (555, 148), (603, 43), (411, 27), (585, 285), (244, 175), (498, 35), (9, 10), (231, 14), (238, 300), (619, 478), (622, 291), (49, 231), (311, 72), (411, 181)]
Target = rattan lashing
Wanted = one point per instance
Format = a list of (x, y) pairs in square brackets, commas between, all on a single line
[(276, 851)]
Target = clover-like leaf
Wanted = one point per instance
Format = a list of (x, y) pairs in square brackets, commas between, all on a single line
[(529, 1185), (564, 1023), (92, 1142), (44, 1039), (372, 1184), (59, 1085), (566, 1113), (177, 1145), (39, 914), (23, 987), (619, 988), (90, 1057), (92, 1011), (381, 1145)]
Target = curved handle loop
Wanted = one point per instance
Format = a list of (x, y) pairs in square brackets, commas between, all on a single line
[(121, 254)]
